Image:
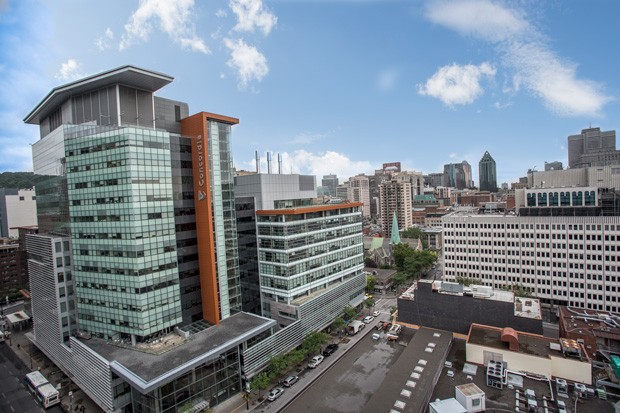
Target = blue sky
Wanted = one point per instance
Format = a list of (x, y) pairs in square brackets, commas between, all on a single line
[(337, 86)]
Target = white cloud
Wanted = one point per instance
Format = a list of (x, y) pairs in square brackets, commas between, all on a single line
[(104, 42), (172, 17), (479, 18), (457, 85), (249, 63), (500, 105), (221, 13), (305, 138), (70, 70), (318, 164), (252, 15), (386, 81), (452, 155), (525, 52)]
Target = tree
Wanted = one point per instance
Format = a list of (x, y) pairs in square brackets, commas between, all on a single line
[(416, 233), (400, 252), (369, 303), (370, 263), (349, 312), (466, 281), (519, 290), (371, 282), (295, 357), (412, 266), (338, 325), (313, 342), (277, 365), (399, 280), (260, 382)]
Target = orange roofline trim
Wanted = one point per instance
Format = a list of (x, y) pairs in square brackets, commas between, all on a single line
[(302, 210)]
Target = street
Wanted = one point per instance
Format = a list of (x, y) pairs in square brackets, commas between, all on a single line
[(14, 397)]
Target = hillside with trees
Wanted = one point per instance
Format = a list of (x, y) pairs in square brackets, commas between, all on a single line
[(19, 180)]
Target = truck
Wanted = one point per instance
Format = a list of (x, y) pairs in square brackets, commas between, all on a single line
[(355, 326), (393, 332)]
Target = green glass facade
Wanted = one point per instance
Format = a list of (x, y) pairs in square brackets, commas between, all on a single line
[(123, 231), (224, 218)]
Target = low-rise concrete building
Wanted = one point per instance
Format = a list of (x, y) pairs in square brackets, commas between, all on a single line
[(452, 307), (529, 353)]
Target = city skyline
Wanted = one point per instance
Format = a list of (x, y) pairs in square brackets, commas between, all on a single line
[(305, 78)]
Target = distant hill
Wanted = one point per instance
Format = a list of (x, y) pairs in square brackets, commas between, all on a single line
[(19, 180)]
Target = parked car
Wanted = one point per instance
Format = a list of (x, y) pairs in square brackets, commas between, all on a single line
[(330, 349), (376, 336), (290, 380), (316, 360), (275, 393), (368, 319), (376, 313)]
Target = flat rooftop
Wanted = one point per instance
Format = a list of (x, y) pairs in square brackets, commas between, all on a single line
[(531, 344), (590, 321), (148, 371), (505, 399), (414, 371)]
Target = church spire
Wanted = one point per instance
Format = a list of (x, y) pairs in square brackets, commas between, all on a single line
[(395, 238)]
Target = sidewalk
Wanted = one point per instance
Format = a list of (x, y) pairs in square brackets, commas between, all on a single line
[(307, 376), (34, 359)]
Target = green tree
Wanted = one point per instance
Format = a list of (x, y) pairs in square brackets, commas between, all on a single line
[(399, 280), (277, 365), (400, 253), (370, 263), (412, 266), (313, 342), (466, 281), (338, 325), (371, 282), (416, 233), (349, 313), (369, 303), (260, 382), (519, 290), (295, 357)]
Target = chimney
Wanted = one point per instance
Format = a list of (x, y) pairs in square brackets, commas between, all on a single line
[(269, 163), (279, 164), (257, 162)]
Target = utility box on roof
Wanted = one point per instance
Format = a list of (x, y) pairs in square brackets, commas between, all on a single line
[(471, 397)]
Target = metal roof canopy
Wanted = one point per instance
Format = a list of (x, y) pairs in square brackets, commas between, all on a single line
[(17, 317), (125, 75)]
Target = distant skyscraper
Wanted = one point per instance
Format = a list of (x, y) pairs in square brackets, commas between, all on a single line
[(487, 173), (331, 182), (358, 191), (395, 198), (458, 175), (593, 148), (18, 208)]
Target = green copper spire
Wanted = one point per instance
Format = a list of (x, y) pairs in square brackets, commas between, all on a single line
[(395, 238)]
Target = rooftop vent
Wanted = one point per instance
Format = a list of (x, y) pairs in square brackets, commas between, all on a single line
[(509, 336)]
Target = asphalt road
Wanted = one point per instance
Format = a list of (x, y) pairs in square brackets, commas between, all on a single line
[(14, 397)]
